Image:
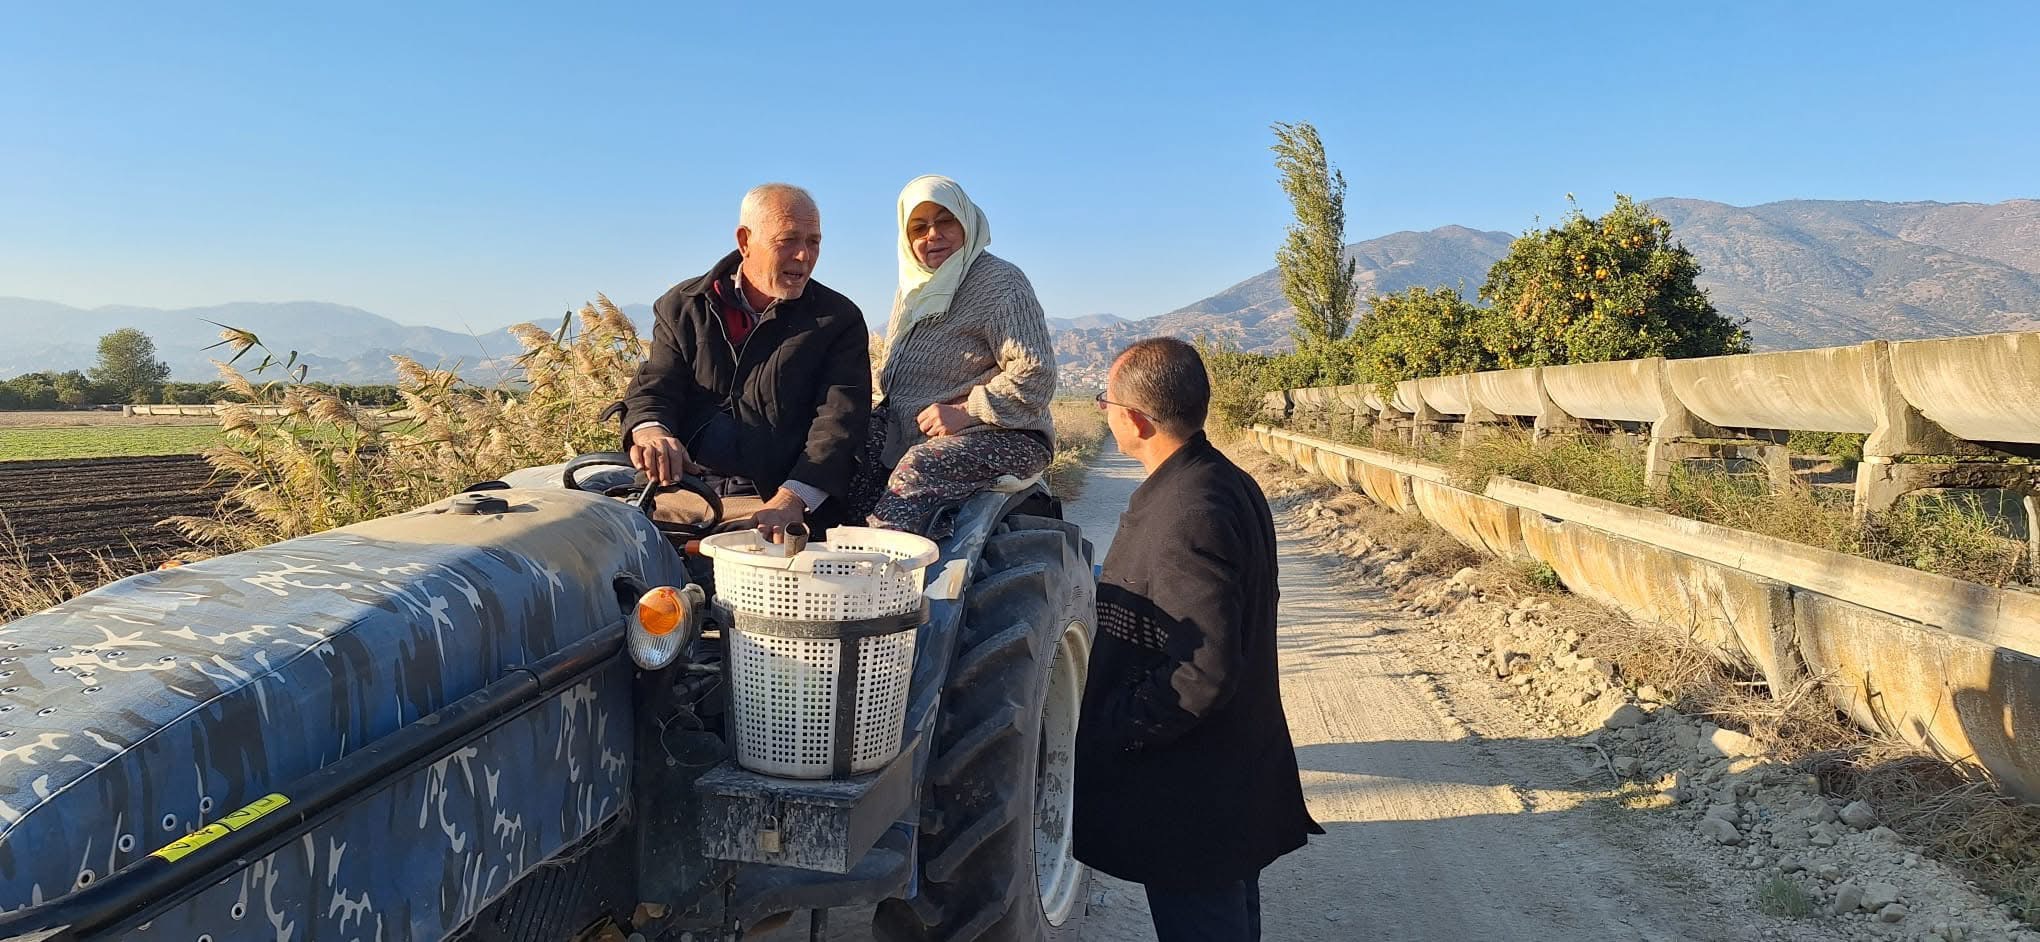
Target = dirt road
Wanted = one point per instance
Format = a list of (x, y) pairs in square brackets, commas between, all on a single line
[(1434, 833)]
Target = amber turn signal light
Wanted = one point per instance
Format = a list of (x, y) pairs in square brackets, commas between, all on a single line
[(659, 611)]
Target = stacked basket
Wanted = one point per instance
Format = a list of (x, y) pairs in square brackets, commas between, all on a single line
[(821, 646)]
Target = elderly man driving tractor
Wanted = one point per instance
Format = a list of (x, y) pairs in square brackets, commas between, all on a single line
[(759, 378)]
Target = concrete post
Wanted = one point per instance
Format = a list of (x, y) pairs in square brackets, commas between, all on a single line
[(1902, 432), (1778, 467), (1676, 426), (1349, 411), (1879, 485), (1363, 424), (1551, 419), (1425, 425), (1901, 429), (1392, 421), (1480, 423), (1275, 407), (1316, 406), (1880, 482)]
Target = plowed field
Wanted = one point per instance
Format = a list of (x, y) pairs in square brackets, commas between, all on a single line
[(69, 510)]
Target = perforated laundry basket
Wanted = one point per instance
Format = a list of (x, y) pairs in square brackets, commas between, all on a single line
[(821, 647)]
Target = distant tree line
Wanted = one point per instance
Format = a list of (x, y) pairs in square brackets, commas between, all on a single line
[(1587, 290), (128, 373), (74, 389)]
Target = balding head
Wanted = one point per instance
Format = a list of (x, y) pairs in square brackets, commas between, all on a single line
[(1163, 378), (779, 233), (766, 200)]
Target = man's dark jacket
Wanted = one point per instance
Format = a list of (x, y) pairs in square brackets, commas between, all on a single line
[(796, 390), (1186, 776)]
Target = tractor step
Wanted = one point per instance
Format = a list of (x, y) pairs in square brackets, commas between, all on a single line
[(884, 873), (824, 825)]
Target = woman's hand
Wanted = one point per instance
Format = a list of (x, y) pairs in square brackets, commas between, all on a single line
[(943, 418)]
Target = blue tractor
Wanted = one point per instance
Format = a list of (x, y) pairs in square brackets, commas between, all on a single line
[(426, 727)]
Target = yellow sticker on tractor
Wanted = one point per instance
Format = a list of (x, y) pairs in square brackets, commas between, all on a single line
[(253, 810), (178, 849)]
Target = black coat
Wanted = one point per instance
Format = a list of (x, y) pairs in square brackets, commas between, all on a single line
[(1186, 776), (798, 389)]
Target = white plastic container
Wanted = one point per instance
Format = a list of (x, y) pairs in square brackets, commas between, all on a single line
[(821, 647)]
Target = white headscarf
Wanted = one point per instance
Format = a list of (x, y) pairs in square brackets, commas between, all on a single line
[(924, 292)]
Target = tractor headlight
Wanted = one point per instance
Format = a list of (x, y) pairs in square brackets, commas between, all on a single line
[(663, 623)]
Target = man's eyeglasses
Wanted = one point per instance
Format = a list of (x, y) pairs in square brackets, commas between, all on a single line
[(1103, 402)]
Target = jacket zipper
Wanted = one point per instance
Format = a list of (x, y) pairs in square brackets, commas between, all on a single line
[(736, 354)]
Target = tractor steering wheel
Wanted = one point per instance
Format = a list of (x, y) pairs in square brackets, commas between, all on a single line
[(643, 493)]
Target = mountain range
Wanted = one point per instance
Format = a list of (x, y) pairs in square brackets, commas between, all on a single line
[(1804, 273), (340, 343)]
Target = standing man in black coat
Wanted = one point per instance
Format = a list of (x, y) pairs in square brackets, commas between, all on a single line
[(1186, 780), (760, 376)]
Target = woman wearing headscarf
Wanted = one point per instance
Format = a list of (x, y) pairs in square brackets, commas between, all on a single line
[(968, 371)]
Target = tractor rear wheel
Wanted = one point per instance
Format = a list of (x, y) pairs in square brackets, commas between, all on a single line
[(995, 823)]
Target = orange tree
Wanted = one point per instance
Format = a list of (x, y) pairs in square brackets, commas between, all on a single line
[(1612, 288), (1418, 332)]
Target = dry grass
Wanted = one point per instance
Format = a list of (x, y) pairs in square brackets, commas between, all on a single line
[(1953, 812), (327, 463), (1431, 550), (1697, 680), (1949, 535), (26, 588), (1079, 432)]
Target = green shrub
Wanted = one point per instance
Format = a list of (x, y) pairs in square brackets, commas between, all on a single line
[(1539, 575), (1567, 462), (1949, 534), (1844, 447), (1784, 899)]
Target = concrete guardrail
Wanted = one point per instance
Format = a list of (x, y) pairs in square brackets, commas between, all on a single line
[(215, 409), (1937, 413), (1950, 665)]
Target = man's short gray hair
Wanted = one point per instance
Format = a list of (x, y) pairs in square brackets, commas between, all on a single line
[(762, 199), (1164, 378)]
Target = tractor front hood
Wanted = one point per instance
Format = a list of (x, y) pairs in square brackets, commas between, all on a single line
[(136, 714)]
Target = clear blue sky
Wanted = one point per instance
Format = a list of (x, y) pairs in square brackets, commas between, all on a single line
[(453, 163)]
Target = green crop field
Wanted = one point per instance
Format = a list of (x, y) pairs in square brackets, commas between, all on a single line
[(34, 444)]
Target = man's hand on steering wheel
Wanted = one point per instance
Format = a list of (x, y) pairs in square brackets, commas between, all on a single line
[(783, 509), (659, 454)]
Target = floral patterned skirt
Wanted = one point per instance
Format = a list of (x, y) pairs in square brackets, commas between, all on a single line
[(934, 478)]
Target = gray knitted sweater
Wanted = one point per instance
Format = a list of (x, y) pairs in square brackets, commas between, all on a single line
[(990, 349)]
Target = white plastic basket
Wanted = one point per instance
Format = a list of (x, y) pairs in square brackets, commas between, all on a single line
[(800, 626)]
